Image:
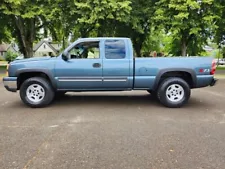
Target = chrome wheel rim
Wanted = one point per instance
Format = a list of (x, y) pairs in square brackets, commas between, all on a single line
[(175, 93), (35, 93)]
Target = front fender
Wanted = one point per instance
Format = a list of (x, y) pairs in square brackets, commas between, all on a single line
[(32, 70)]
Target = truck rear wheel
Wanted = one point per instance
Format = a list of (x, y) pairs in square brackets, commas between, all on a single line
[(36, 92), (174, 92)]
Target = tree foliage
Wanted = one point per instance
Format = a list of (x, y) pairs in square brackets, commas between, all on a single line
[(189, 21), (171, 26), (25, 18), (219, 9), (10, 56)]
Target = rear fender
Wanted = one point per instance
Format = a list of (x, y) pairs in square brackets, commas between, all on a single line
[(163, 71)]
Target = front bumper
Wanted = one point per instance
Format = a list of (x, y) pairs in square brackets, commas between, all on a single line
[(213, 82), (10, 83)]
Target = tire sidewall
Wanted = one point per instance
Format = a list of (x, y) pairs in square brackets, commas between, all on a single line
[(43, 83), (163, 88)]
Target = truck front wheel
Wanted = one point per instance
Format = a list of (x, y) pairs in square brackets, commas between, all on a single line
[(36, 92), (174, 92)]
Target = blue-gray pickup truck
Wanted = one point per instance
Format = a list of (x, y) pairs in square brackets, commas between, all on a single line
[(108, 64)]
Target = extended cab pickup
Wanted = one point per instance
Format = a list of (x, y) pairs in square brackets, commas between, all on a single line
[(108, 64)]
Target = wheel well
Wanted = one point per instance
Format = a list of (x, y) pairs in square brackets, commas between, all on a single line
[(184, 75), (24, 76)]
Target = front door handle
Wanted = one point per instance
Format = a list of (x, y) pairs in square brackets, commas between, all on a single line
[(96, 65)]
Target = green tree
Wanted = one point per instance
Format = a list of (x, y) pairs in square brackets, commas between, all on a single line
[(140, 23), (219, 9), (101, 16), (85, 18), (189, 21), (5, 34), (25, 18)]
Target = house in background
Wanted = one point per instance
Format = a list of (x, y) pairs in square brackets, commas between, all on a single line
[(42, 48), (4, 48), (57, 46), (45, 48)]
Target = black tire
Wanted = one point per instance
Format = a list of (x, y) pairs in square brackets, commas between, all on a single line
[(165, 100), (48, 92)]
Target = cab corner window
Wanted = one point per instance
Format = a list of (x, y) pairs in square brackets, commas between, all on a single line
[(115, 49), (85, 50)]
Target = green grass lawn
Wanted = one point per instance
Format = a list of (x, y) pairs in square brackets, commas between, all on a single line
[(2, 67), (220, 68)]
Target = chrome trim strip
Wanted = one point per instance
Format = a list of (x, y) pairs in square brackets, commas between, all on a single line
[(91, 79), (115, 80), (79, 80), (79, 77)]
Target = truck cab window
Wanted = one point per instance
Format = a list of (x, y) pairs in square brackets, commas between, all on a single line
[(85, 50), (115, 49)]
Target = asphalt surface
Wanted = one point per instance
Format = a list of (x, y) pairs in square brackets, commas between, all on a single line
[(114, 130)]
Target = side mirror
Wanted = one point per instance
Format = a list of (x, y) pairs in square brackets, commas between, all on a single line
[(65, 56)]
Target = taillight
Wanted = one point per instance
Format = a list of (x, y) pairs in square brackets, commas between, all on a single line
[(213, 68)]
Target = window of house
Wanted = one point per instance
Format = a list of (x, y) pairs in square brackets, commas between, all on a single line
[(115, 49), (85, 50), (44, 46)]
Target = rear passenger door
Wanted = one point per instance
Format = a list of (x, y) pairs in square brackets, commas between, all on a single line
[(116, 65)]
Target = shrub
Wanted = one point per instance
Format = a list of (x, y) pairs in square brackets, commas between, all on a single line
[(10, 56)]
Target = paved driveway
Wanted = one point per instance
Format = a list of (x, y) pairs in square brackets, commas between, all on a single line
[(114, 130)]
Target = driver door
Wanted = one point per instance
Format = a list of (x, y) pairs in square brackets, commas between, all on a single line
[(83, 71)]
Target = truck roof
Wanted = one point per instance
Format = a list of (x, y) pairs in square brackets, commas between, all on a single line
[(102, 38)]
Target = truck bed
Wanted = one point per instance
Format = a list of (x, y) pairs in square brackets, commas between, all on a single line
[(147, 70)]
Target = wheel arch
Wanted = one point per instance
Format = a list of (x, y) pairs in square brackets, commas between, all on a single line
[(176, 72), (24, 74)]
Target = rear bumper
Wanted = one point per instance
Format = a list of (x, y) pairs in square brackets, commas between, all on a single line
[(205, 80), (213, 82), (10, 83)]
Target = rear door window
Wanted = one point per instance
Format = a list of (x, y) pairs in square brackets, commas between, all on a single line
[(115, 49)]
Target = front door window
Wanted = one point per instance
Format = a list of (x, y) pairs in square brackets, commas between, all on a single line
[(86, 50)]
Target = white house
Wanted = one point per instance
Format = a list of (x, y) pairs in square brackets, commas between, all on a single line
[(44, 48)]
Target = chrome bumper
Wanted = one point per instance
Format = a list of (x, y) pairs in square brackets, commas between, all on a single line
[(10, 83)]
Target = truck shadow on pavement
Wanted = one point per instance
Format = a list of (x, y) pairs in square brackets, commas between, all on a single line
[(107, 99), (118, 100), (113, 100)]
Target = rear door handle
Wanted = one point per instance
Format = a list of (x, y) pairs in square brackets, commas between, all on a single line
[(96, 65)]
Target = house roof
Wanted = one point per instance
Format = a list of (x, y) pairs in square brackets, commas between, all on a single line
[(4, 47), (56, 46), (38, 45)]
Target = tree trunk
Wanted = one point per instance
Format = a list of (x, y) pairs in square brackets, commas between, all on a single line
[(183, 48), (25, 31), (64, 43), (138, 40), (29, 50), (137, 49)]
